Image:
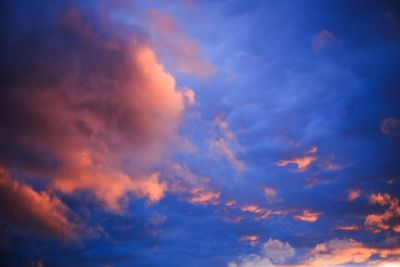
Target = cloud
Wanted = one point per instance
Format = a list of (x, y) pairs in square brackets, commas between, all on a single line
[(39, 212), (389, 219), (353, 195), (251, 239), (323, 39), (270, 193), (251, 261), (195, 188), (103, 116), (307, 216), (274, 251), (223, 146), (302, 162), (278, 251), (261, 213), (348, 227), (189, 96), (338, 252), (185, 53), (391, 127)]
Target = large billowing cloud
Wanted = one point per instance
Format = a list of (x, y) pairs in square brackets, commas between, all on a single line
[(85, 106)]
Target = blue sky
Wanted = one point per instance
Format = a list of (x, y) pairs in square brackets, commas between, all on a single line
[(200, 133)]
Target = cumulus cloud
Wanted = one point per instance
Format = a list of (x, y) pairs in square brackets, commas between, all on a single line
[(274, 251), (86, 106), (278, 251), (38, 212)]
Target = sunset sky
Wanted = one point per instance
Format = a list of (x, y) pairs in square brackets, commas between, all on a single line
[(189, 133)]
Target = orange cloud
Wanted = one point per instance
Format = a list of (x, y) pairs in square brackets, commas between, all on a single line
[(307, 216), (379, 222), (251, 208), (347, 227), (353, 195), (270, 193), (251, 239), (204, 196), (39, 212), (303, 163), (339, 252)]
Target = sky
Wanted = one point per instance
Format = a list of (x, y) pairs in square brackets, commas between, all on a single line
[(219, 133)]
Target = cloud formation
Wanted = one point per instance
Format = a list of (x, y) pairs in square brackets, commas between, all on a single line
[(389, 219), (86, 107), (307, 216), (38, 212), (274, 251)]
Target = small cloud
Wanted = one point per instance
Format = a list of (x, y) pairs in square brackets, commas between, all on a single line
[(323, 39), (204, 196), (223, 146), (270, 193), (353, 195), (156, 219), (303, 163), (391, 127), (251, 239), (230, 202), (347, 228), (307, 216), (189, 96), (251, 208), (313, 149)]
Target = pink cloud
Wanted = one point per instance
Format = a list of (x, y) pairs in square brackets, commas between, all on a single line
[(39, 212), (353, 195), (104, 116), (378, 222), (308, 216), (251, 239)]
